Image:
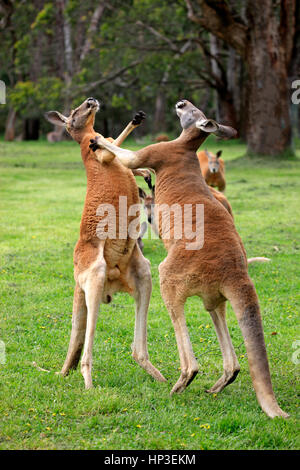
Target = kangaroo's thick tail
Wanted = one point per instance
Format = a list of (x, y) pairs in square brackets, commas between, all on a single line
[(259, 259), (244, 301)]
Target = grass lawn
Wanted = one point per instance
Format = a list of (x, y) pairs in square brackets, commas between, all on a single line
[(42, 193)]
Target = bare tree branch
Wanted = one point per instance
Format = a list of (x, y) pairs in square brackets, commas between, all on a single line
[(208, 53), (6, 6), (156, 33), (92, 29), (217, 18), (113, 76)]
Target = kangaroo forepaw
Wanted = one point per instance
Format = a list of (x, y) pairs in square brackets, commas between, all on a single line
[(94, 145), (138, 118)]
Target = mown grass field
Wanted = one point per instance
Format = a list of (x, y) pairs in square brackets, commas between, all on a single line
[(42, 193)]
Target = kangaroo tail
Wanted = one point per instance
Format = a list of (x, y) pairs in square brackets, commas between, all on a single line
[(259, 259), (244, 301)]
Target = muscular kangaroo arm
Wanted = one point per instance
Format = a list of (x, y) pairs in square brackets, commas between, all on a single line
[(107, 156), (127, 157)]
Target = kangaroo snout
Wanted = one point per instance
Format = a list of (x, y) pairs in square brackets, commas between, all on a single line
[(92, 103)]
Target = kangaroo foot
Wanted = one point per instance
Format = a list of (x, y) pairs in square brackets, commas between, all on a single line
[(184, 380), (227, 378), (148, 367)]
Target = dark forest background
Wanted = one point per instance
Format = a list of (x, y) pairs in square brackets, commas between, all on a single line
[(235, 59)]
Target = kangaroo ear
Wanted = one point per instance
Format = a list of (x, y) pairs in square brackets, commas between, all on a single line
[(207, 125), (219, 153), (226, 132), (56, 118), (212, 127)]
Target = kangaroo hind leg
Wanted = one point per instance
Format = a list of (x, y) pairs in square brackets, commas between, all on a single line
[(93, 287), (141, 276), (78, 331), (230, 362)]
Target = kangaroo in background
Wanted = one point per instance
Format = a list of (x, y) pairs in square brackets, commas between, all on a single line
[(103, 265), (217, 271), (213, 168)]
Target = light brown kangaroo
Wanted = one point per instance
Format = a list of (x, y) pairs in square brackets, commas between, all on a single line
[(218, 271), (102, 265), (212, 168)]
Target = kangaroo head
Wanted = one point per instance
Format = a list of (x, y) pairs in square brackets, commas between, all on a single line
[(213, 161), (80, 121), (192, 118)]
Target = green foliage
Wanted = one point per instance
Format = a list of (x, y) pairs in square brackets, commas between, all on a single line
[(22, 95), (37, 55), (132, 54), (29, 98), (120, 102), (44, 16)]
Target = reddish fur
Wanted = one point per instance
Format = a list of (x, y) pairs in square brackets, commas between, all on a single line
[(105, 183), (103, 267), (222, 199), (178, 180), (149, 202), (162, 138), (114, 180)]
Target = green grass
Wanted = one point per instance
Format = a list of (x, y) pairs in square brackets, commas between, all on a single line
[(42, 193)]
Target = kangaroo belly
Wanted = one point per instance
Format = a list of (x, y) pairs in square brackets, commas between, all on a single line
[(110, 216)]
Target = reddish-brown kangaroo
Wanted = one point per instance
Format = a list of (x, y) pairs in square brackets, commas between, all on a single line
[(104, 265), (218, 271)]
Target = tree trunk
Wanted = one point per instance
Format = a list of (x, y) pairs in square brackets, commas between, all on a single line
[(10, 125), (225, 85), (159, 116), (160, 103), (105, 129), (31, 129), (268, 126), (227, 111), (264, 37), (243, 102)]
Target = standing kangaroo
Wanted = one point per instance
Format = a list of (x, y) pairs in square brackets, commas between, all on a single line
[(212, 168), (102, 265), (217, 272)]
